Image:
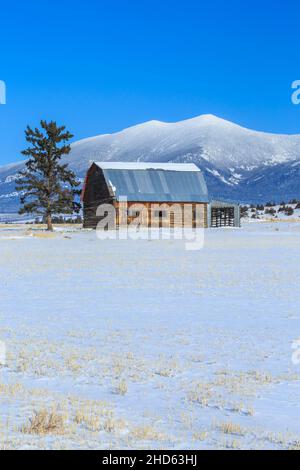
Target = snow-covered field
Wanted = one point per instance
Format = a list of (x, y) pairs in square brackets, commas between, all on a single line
[(141, 344)]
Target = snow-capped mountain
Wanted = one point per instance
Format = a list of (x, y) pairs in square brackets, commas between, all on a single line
[(238, 163)]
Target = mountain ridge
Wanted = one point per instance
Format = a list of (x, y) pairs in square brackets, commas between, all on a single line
[(240, 164)]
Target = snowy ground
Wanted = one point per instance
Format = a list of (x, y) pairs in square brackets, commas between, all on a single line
[(274, 213), (141, 344)]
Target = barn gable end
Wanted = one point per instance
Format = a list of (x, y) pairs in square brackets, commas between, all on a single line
[(95, 192)]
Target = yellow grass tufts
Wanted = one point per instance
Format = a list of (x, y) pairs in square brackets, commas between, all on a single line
[(43, 422)]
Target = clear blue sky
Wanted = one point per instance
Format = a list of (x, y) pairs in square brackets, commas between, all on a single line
[(100, 66)]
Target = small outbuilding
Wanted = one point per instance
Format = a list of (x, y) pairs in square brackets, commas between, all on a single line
[(159, 194), (223, 214)]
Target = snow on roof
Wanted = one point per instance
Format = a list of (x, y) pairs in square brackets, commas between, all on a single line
[(164, 182), (147, 166)]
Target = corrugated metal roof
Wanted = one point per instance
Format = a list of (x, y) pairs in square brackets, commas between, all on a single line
[(147, 166), (166, 183)]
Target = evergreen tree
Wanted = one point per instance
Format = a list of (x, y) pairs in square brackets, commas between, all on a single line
[(48, 186)]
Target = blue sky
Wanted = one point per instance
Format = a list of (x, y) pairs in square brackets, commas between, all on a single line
[(101, 66)]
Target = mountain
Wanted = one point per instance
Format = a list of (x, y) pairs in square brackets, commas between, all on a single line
[(239, 164)]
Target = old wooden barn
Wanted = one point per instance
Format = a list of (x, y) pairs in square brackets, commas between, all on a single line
[(161, 195), (158, 194)]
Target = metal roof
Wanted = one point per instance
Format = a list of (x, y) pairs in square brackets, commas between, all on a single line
[(147, 166), (147, 182), (215, 203)]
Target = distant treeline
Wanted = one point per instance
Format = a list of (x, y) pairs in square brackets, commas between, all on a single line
[(269, 208), (58, 220)]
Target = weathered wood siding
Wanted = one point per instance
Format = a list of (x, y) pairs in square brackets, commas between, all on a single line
[(96, 192), (173, 214)]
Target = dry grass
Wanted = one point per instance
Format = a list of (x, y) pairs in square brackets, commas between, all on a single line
[(233, 444), (232, 391), (200, 436), (37, 226), (121, 388), (90, 421), (44, 422), (44, 235), (231, 428), (147, 433)]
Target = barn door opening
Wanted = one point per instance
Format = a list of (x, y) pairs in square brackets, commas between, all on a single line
[(222, 217), (161, 216)]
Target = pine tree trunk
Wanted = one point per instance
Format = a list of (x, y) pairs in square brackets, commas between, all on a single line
[(49, 223)]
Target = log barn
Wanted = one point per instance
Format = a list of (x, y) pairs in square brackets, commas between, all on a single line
[(160, 194)]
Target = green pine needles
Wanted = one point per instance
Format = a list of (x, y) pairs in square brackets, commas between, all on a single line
[(48, 187)]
